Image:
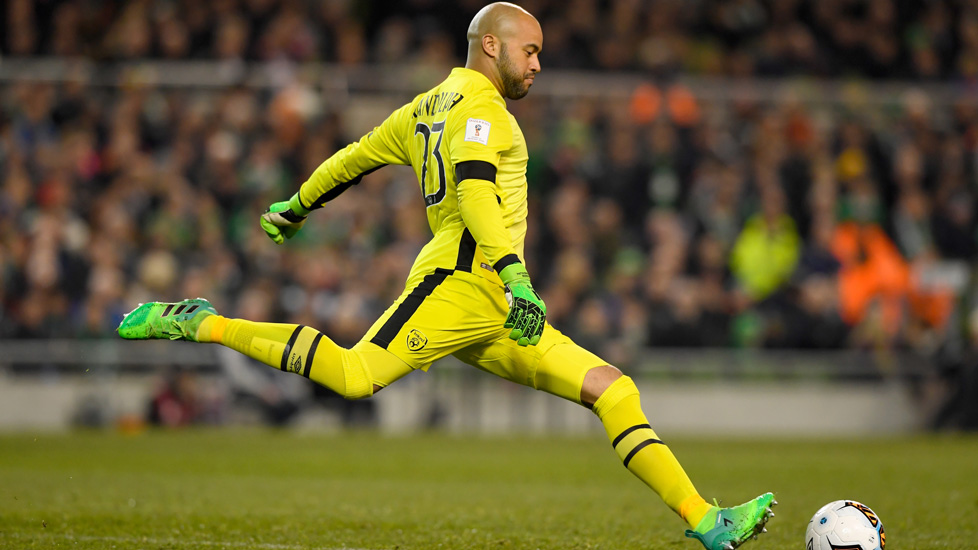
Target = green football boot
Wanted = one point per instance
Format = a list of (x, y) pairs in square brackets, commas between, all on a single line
[(173, 320), (728, 528)]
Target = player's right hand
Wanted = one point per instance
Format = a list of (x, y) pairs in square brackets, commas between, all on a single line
[(282, 220), (527, 312)]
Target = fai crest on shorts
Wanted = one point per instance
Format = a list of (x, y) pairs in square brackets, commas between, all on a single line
[(416, 340)]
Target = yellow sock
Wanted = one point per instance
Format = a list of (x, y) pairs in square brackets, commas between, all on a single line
[(292, 348), (644, 454)]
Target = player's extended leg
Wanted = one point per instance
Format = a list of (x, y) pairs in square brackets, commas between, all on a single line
[(614, 398), (559, 366), (353, 373)]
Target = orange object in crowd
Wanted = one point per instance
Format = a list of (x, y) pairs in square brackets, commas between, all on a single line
[(872, 268), (645, 104)]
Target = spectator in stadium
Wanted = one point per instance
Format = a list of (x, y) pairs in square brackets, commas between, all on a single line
[(176, 401), (925, 40), (109, 154), (873, 276), (767, 249)]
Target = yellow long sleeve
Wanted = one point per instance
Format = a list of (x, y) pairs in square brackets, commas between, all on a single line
[(346, 167), (479, 207)]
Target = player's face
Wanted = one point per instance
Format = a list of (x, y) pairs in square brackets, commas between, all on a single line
[(519, 65)]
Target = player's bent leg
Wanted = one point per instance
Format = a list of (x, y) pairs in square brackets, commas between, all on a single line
[(559, 366), (615, 400), (596, 381), (645, 455)]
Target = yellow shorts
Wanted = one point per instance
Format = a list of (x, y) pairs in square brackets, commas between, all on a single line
[(460, 313)]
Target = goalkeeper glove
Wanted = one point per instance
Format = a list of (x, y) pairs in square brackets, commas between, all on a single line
[(282, 220), (527, 313)]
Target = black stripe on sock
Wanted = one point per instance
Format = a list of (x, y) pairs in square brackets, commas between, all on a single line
[(312, 355), (628, 431), (466, 252), (639, 447), (180, 309), (167, 310), (288, 347), (411, 303)]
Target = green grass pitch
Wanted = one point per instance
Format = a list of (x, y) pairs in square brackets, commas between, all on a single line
[(253, 489)]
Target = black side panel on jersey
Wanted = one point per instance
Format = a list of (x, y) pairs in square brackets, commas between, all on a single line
[(340, 187), (466, 252), (475, 170)]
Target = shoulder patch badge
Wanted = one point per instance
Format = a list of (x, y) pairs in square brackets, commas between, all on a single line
[(416, 341), (477, 130)]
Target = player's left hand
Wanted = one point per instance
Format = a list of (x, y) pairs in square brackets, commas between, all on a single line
[(527, 312), (282, 220)]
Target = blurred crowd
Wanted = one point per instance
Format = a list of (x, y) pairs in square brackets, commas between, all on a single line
[(930, 40), (663, 220)]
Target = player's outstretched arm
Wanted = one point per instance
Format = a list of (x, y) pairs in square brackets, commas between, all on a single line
[(344, 169), (282, 220)]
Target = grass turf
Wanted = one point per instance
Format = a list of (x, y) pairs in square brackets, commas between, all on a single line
[(277, 490)]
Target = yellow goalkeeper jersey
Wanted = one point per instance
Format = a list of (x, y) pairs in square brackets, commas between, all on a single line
[(458, 130)]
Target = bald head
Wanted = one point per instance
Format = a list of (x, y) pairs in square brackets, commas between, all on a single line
[(504, 41), (499, 18)]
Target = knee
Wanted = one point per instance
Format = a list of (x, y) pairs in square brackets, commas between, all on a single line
[(357, 396), (358, 383), (358, 392), (596, 382), (621, 389)]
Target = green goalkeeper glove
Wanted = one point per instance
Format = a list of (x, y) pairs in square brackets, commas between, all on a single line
[(527, 313), (283, 219)]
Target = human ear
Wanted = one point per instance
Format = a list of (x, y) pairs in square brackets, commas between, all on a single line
[(490, 45)]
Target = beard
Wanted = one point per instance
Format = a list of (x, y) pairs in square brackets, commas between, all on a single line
[(512, 80)]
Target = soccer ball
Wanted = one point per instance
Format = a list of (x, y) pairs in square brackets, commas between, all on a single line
[(845, 525)]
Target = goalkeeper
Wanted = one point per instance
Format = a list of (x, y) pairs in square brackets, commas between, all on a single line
[(468, 293)]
